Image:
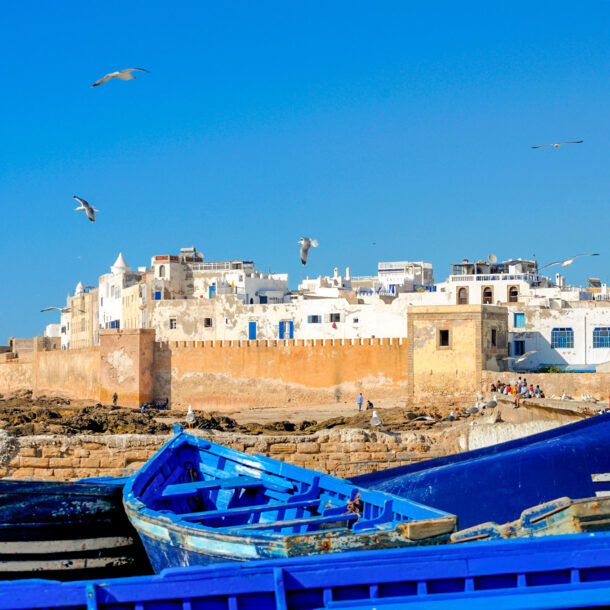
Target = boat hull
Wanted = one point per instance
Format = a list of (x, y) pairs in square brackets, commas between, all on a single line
[(66, 531), (554, 572), (497, 483)]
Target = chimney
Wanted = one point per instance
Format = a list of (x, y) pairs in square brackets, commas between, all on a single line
[(348, 273)]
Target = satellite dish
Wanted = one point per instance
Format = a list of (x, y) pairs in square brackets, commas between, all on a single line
[(492, 259)]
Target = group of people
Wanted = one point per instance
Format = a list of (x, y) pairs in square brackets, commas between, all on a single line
[(520, 389)]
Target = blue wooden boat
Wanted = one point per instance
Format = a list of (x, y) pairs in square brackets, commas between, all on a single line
[(195, 502), (67, 531), (497, 483), (552, 572)]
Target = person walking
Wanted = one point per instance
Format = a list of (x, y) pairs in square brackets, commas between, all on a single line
[(360, 401), (115, 398)]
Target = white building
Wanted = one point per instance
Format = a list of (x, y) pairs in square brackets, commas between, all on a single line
[(110, 292)]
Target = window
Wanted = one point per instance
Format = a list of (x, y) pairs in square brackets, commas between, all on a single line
[(601, 336), (314, 319), (462, 296), (494, 337), (207, 322), (488, 295), (562, 338), (228, 321), (172, 323), (518, 348), (519, 320), (513, 294), (162, 271), (443, 338), (355, 320), (335, 317), (286, 329)]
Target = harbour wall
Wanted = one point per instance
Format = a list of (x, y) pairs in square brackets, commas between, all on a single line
[(344, 452)]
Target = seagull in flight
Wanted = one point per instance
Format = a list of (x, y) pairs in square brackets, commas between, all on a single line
[(565, 263), (122, 75), (306, 243), (521, 358), (85, 207), (62, 309), (558, 144)]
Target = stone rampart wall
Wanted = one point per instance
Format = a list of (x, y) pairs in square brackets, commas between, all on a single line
[(269, 373), (72, 373), (16, 373)]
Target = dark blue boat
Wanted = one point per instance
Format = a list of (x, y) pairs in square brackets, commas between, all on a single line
[(553, 572), (497, 483), (195, 502), (67, 531)]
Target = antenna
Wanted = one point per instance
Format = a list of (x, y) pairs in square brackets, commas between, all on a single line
[(492, 259)]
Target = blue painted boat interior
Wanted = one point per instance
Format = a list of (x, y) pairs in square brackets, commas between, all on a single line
[(553, 572), (195, 483), (497, 483)]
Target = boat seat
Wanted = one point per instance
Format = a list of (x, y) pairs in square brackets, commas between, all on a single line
[(270, 482), (291, 523), (188, 489), (245, 510)]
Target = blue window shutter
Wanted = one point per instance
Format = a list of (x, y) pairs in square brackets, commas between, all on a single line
[(309, 318), (252, 331), (291, 330), (281, 330), (158, 295)]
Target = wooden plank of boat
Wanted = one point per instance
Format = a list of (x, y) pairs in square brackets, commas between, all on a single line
[(28, 547), (71, 564), (197, 502), (561, 516)]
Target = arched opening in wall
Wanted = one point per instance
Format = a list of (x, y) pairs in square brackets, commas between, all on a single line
[(462, 296), (488, 295), (162, 271), (513, 294)]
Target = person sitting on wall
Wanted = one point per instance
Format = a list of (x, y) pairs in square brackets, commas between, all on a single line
[(537, 391), (369, 405), (493, 388)]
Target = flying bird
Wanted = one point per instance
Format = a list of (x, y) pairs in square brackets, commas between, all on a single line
[(521, 358), (306, 243), (558, 144), (375, 419), (62, 309), (85, 207), (122, 75), (565, 263)]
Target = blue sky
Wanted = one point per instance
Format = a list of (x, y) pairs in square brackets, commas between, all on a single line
[(405, 125)]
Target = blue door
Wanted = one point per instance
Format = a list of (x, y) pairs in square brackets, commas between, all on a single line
[(291, 330), (281, 330), (212, 292), (251, 330)]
